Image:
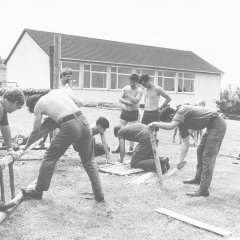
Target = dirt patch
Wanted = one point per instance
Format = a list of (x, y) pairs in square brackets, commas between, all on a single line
[(65, 213)]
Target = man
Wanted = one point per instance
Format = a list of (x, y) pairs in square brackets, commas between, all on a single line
[(130, 98), (99, 149), (152, 94), (12, 100), (197, 118), (66, 77), (63, 108), (143, 154)]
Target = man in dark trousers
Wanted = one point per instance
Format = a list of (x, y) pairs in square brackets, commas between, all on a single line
[(63, 108), (143, 153), (197, 118)]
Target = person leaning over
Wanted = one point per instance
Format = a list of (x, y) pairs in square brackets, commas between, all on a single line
[(12, 100), (197, 118), (63, 108)]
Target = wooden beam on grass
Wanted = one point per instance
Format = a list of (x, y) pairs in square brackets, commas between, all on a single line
[(156, 156), (14, 203), (11, 179), (194, 222), (2, 186)]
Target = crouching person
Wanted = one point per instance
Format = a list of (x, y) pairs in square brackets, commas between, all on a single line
[(143, 154), (63, 108)]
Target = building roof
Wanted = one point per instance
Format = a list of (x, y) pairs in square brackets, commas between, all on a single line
[(105, 51)]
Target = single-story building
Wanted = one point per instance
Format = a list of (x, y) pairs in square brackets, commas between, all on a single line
[(102, 67), (3, 72)]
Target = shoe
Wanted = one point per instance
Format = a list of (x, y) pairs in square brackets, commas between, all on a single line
[(31, 193), (130, 153), (167, 164), (99, 199), (181, 165), (199, 193), (117, 150), (193, 181), (163, 164), (238, 158)]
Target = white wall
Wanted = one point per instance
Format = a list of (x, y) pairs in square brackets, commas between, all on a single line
[(29, 65)]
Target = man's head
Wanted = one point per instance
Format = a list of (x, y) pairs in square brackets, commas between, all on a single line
[(66, 75), (102, 124), (133, 80), (116, 130), (144, 80), (14, 99), (32, 101), (167, 114)]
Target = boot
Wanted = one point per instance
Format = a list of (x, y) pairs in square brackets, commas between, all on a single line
[(199, 193), (99, 199), (32, 193), (195, 180)]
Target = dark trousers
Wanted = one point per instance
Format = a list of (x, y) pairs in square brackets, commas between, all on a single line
[(208, 150), (75, 131)]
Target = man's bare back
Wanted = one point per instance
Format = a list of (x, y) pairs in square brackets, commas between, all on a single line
[(57, 104)]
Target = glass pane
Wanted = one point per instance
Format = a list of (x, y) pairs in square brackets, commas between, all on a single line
[(139, 71), (160, 81), (86, 67), (180, 85), (113, 69), (123, 80), (124, 70), (148, 71), (86, 81), (99, 68), (152, 79), (99, 80), (180, 75), (72, 65), (169, 84), (160, 73), (113, 81), (188, 85), (169, 74), (75, 79), (189, 75)]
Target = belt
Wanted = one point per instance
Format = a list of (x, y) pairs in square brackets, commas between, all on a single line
[(69, 117)]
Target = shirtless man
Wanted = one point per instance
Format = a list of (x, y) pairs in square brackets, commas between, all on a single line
[(63, 108), (130, 98), (152, 95)]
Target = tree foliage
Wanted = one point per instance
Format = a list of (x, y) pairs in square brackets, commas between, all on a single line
[(229, 101)]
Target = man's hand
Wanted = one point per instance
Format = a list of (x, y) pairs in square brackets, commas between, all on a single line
[(152, 126), (16, 155)]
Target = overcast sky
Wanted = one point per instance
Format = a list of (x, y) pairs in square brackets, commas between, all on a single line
[(209, 28)]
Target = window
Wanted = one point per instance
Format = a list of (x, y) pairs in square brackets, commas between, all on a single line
[(149, 72), (166, 80), (186, 82), (75, 66), (120, 77), (95, 76)]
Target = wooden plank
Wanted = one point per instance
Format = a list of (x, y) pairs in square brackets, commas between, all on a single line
[(120, 170), (156, 156), (51, 65), (11, 179), (15, 202), (194, 222), (143, 178), (2, 186)]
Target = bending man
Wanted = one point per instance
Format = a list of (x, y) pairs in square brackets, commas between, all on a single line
[(197, 118), (63, 108)]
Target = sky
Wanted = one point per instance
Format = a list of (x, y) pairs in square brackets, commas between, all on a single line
[(209, 28)]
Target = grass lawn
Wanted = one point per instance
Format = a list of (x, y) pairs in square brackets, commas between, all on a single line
[(129, 209)]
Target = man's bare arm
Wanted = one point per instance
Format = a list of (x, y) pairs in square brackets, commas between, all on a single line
[(105, 145), (6, 134), (184, 148), (122, 149), (163, 125), (36, 128), (165, 95), (137, 98)]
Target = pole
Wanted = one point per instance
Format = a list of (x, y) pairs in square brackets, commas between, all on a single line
[(56, 60), (11, 179), (156, 155), (51, 65)]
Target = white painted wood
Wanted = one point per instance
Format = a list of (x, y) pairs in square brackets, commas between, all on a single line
[(194, 222)]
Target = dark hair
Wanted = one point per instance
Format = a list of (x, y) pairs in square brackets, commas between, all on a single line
[(144, 78), (116, 130), (103, 122), (166, 115), (134, 77), (15, 95), (32, 100)]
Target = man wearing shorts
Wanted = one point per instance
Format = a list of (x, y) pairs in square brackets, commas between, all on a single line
[(130, 98)]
